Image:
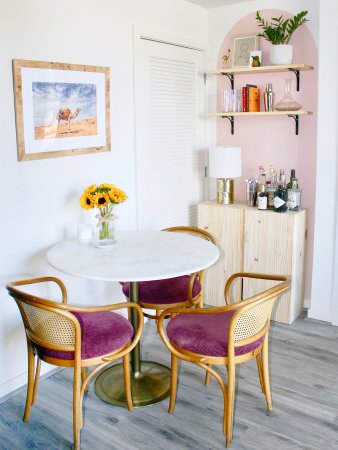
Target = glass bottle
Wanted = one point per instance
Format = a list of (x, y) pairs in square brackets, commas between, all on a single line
[(281, 194), (263, 199), (294, 196), (271, 185), (292, 177), (287, 103), (261, 179)]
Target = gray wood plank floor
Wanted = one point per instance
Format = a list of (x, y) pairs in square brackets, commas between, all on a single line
[(304, 376)]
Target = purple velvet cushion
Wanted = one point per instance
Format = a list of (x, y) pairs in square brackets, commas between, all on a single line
[(102, 333), (205, 334), (165, 292)]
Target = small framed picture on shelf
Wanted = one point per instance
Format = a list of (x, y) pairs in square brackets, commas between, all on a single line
[(256, 58), (242, 46)]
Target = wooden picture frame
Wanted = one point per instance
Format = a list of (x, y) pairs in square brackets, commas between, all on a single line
[(61, 109), (242, 45)]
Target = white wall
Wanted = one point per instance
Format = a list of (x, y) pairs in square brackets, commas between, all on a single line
[(324, 304), (41, 198)]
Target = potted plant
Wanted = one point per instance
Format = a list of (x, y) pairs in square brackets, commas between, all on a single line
[(279, 32)]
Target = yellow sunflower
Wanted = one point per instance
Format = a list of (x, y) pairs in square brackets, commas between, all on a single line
[(87, 201), (91, 189), (117, 195), (106, 186), (101, 200)]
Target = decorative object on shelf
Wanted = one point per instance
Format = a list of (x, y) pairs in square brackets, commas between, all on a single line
[(287, 103), (256, 58), (61, 109), (232, 100), (279, 32), (225, 163), (104, 197), (242, 46), (226, 57), (269, 98), (251, 191)]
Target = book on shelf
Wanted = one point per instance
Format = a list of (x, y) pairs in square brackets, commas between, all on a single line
[(245, 96), (254, 100)]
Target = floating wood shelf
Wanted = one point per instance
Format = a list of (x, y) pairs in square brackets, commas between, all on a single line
[(294, 114), (295, 68)]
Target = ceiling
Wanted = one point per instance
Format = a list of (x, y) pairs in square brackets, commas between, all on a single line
[(209, 4)]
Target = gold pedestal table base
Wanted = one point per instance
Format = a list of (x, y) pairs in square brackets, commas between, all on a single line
[(148, 386)]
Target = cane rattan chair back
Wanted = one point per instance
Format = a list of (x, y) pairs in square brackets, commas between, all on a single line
[(73, 336), (184, 291), (226, 335)]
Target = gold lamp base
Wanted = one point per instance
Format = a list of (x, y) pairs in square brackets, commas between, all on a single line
[(225, 191), (148, 386)]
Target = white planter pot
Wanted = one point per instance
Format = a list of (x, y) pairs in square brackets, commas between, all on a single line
[(281, 54)]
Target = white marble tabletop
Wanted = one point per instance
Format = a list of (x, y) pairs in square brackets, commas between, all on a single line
[(136, 256)]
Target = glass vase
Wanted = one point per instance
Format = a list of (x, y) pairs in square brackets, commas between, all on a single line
[(287, 103), (106, 236)]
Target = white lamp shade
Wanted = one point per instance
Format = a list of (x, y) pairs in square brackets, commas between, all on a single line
[(225, 162)]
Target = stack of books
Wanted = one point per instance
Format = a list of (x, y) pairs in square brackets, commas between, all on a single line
[(250, 98)]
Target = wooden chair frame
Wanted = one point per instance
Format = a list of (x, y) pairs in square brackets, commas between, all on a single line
[(191, 301), (264, 300), (64, 312)]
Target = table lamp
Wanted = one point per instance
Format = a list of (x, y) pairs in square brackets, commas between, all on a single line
[(225, 163)]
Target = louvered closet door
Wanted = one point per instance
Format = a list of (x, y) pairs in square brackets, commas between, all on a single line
[(169, 95)]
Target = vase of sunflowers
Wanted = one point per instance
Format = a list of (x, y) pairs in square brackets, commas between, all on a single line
[(104, 197)]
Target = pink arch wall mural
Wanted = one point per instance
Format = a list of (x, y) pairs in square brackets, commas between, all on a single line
[(272, 140)]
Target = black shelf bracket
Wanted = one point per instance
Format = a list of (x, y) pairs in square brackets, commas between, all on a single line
[(296, 72), (231, 119), (296, 118), (231, 79)]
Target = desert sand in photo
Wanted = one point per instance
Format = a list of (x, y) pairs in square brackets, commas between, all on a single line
[(85, 127)]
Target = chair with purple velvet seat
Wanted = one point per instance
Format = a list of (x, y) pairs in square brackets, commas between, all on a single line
[(73, 336), (184, 291), (227, 335)]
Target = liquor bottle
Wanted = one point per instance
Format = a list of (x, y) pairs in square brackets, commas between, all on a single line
[(292, 177), (263, 199), (261, 179), (271, 186), (281, 194), (294, 195)]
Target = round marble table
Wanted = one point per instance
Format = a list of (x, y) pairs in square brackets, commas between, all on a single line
[(136, 256)]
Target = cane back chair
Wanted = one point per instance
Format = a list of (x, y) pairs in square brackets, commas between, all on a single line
[(73, 336), (184, 291), (227, 335)]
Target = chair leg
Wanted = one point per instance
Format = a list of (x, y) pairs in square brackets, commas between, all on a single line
[(77, 413), (83, 377), (36, 380), (265, 370), (126, 375), (157, 313), (207, 377), (230, 404), (30, 383), (173, 382), (260, 373)]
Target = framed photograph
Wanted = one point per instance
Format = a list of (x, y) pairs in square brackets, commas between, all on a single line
[(61, 109), (241, 48), (256, 58)]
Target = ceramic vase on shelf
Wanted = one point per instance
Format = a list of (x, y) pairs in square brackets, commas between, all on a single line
[(287, 103), (281, 54)]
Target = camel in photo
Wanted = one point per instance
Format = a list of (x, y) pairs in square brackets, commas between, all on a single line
[(67, 115)]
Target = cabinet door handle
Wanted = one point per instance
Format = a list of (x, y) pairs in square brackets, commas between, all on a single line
[(255, 259)]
